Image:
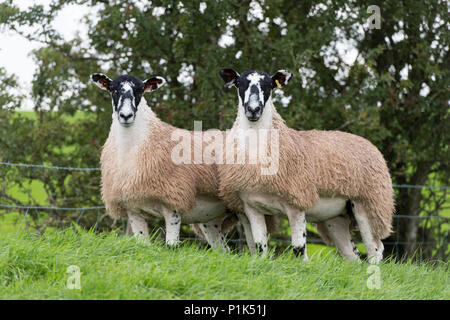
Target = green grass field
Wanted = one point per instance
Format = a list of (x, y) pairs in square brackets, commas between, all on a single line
[(119, 267)]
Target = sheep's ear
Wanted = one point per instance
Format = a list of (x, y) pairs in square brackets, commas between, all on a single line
[(102, 81), (229, 76), (281, 78), (153, 83)]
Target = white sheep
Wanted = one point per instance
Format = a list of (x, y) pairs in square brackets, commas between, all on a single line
[(139, 178), (321, 175)]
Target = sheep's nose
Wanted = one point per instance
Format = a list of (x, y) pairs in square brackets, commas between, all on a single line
[(125, 116), (256, 109)]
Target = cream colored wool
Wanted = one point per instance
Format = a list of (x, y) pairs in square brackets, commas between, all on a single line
[(150, 174), (315, 164)]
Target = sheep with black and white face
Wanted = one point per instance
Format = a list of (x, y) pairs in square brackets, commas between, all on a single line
[(325, 177), (139, 178)]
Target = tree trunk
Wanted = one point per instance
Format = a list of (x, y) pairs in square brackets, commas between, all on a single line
[(409, 204)]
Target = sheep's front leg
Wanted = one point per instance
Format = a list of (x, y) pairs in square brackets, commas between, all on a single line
[(173, 226), (297, 222), (138, 225), (259, 228)]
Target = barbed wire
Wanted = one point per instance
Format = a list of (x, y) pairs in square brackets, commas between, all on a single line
[(26, 165), (238, 240), (10, 206), (418, 186), (403, 216), (283, 242), (47, 167)]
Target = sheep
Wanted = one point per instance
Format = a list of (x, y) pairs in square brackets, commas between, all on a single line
[(139, 178), (321, 175)]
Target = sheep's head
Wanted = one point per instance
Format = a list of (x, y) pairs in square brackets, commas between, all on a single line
[(126, 93), (254, 88)]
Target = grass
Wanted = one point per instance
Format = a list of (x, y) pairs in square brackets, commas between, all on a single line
[(117, 267)]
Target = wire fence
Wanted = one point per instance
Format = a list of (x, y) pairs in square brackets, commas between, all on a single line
[(99, 210), (25, 165)]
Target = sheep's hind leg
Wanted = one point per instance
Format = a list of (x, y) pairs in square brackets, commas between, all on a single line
[(173, 226), (248, 232), (374, 246), (259, 228), (338, 231), (139, 225), (213, 234), (297, 222)]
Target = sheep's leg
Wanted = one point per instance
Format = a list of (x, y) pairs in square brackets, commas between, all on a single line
[(259, 228), (196, 228), (173, 226), (248, 232), (138, 225), (355, 249), (338, 231), (213, 234), (374, 246), (323, 233), (297, 222)]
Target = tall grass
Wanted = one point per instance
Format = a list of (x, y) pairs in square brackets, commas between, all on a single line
[(118, 267)]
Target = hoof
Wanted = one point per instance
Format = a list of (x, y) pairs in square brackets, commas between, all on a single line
[(299, 251), (375, 259), (173, 245), (261, 249)]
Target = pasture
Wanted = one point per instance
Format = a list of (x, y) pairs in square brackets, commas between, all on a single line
[(119, 267)]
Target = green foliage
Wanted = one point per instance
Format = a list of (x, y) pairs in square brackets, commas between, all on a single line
[(367, 96), (10, 98)]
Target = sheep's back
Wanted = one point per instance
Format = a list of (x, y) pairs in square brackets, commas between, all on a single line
[(318, 163), (349, 165)]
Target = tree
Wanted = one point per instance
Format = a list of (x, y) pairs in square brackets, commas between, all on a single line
[(393, 90)]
